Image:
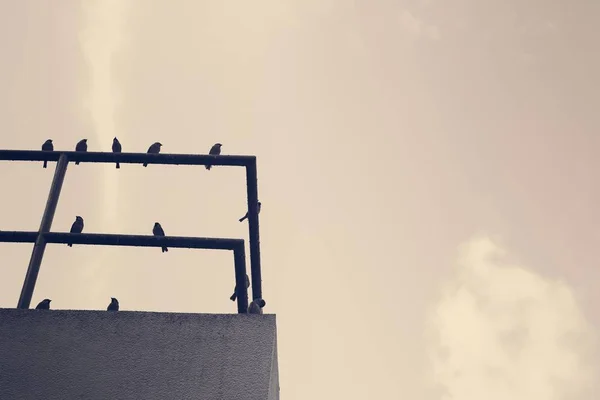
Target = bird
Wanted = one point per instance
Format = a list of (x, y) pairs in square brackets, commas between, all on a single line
[(43, 305), (153, 149), (158, 231), (114, 305), (77, 227), (47, 146), (246, 216), (81, 146), (214, 151), (116, 148), (256, 306), (234, 295)]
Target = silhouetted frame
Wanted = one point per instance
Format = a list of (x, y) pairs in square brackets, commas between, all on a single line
[(249, 162)]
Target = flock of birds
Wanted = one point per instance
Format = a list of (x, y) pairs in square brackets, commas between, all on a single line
[(154, 148), (255, 306), (45, 305)]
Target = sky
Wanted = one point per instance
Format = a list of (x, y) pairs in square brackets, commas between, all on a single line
[(427, 171)]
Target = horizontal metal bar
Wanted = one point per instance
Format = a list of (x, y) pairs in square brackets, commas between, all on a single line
[(125, 240), (128, 158), (18, 237)]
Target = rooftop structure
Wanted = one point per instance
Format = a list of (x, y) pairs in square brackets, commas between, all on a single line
[(68, 354)]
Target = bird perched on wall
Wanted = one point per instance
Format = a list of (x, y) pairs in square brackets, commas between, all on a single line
[(234, 295), (154, 149), (114, 305), (43, 305), (246, 216), (158, 231), (116, 148), (47, 146), (77, 227), (214, 151), (81, 146), (256, 306)]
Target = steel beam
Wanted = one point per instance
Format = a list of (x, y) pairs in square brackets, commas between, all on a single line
[(40, 243)]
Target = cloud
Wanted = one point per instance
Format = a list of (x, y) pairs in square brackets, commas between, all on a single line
[(502, 332), (417, 27), (101, 38)]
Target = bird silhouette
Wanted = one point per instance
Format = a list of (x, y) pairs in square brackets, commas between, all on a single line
[(154, 149), (158, 231), (77, 227), (116, 148), (234, 295), (214, 151), (47, 146), (246, 216), (114, 305), (81, 146), (256, 306), (43, 305)]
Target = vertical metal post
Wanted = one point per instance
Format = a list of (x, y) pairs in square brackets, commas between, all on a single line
[(46, 224), (239, 258), (252, 187)]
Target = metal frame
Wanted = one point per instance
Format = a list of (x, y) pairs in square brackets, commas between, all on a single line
[(63, 158)]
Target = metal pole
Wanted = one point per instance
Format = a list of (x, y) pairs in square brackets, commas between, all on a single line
[(252, 187), (239, 257), (46, 224)]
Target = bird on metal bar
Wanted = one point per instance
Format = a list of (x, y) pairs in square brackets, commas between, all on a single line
[(234, 295), (77, 227), (256, 306), (246, 216), (114, 305), (158, 231), (214, 151), (43, 305), (81, 146), (116, 148), (154, 149), (47, 146)]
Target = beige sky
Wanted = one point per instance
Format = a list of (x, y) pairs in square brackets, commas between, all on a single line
[(429, 226)]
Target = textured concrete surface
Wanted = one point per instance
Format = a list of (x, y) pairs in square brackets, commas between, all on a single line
[(137, 355)]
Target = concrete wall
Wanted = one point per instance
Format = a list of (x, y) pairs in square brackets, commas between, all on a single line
[(136, 355)]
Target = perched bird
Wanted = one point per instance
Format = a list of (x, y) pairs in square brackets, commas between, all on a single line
[(114, 305), (47, 146), (154, 149), (77, 227), (234, 295), (256, 306), (81, 146), (246, 216), (43, 305), (158, 231), (116, 148), (214, 151)]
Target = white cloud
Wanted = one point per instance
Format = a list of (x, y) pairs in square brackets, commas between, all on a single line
[(101, 38), (502, 332)]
